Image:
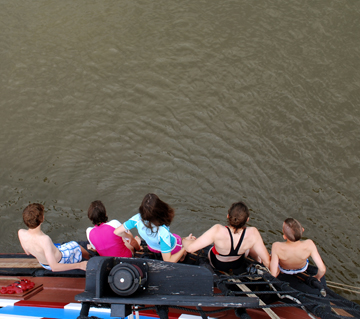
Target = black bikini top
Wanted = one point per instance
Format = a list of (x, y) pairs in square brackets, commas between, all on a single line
[(234, 252)]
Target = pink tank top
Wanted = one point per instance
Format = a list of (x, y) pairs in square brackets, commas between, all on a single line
[(107, 243)]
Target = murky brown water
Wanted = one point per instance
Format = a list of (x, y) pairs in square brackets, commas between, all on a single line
[(202, 103)]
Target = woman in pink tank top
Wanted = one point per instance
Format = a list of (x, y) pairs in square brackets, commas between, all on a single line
[(102, 238)]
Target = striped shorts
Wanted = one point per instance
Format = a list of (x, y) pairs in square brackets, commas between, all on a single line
[(71, 253)]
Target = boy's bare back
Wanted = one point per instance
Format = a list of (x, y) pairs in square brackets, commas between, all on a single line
[(39, 245), (293, 254)]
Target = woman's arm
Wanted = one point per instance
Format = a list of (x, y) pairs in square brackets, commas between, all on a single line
[(204, 240), (90, 246), (274, 263), (175, 257), (258, 250), (121, 232), (127, 235)]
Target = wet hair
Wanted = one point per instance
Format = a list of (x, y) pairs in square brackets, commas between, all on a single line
[(97, 213), (156, 212), (292, 229), (33, 215), (238, 215)]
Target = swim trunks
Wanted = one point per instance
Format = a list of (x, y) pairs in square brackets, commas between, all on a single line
[(294, 271), (71, 254)]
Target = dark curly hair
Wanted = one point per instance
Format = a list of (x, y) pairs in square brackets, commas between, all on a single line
[(154, 211)]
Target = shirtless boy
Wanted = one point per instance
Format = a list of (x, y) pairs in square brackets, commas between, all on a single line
[(64, 257), (291, 257)]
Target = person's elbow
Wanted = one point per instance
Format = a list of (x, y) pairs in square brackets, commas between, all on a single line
[(322, 270), (186, 244), (273, 272), (119, 232), (167, 257), (266, 260), (56, 268), (190, 249), (274, 269)]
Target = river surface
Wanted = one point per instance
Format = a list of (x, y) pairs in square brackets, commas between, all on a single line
[(202, 102)]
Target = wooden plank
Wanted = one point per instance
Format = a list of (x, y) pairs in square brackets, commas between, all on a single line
[(59, 289), (244, 288), (19, 263), (340, 312)]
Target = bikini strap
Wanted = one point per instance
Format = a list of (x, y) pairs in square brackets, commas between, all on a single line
[(232, 243), (234, 252), (231, 238), (240, 241)]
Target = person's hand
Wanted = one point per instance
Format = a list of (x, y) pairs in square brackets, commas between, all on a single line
[(83, 265), (190, 237), (138, 239), (89, 247)]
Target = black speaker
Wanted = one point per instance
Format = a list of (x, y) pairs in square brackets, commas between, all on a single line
[(125, 278)]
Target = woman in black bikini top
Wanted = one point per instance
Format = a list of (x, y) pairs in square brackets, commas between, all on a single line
[(238, 215), (233, 252), (227, 265)]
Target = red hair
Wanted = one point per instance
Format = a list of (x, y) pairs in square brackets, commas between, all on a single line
[(33, 215)]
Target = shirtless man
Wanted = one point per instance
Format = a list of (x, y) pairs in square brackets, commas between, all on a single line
[(64, 257), (291, 257)]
